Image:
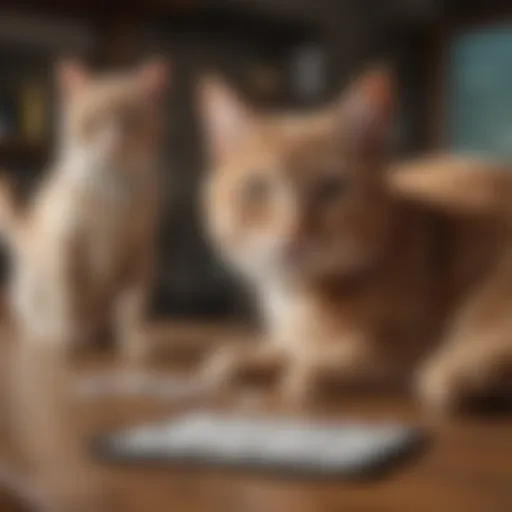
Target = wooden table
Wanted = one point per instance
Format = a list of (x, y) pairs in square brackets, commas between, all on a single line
[(467, 466)]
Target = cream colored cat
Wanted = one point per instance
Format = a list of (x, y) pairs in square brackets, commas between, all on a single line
[(82, 254), (357, 283)]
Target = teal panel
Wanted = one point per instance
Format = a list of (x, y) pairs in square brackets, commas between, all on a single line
[(479, 99)]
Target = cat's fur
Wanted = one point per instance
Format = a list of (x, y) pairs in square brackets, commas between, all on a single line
[(357, 282), (82, 253)]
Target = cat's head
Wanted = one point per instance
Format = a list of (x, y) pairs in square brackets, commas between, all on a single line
[(111, 120), (299, 195)]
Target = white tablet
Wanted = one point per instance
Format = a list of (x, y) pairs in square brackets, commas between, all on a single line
[(289, 445)]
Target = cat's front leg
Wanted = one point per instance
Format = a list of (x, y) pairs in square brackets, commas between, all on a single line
[(475, 358), (460, 372), (130, 311), (52, 446), (245, 360), (130, 324), (348, 363)]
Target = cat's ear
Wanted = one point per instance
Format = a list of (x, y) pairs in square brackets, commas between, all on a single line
[(72, 76), (228, 121), (153, 78), (364, 111)]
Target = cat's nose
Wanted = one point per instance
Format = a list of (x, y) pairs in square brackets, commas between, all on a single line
[(294, 231)]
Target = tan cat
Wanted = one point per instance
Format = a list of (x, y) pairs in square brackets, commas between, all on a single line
[(356, 283), (82, 257)]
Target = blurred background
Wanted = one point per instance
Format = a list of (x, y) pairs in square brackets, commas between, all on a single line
[(452, 60)]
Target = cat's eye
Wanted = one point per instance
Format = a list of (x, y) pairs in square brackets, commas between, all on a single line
[(330, 189), (255, 189)]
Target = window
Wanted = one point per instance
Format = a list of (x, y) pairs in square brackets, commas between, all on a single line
[(478, 85)]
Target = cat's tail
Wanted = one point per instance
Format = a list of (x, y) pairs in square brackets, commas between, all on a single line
[(10, 214), (456, 183)]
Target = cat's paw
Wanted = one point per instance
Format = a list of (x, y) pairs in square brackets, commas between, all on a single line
[(135, 354), (299, 386), (222, 368), (440, 387)]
